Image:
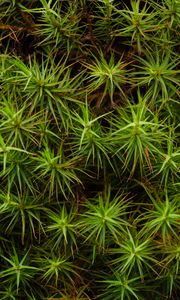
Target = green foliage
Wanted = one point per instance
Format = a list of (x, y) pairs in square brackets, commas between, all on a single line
[(158, 72), (121, 287), (17, 126), (89, 140), (53, 267), (58, 25), (137, 23), (17, 270), (57, 171), (105, 219), (137, 135), (89, 150), (21, 209), (163, 217), (169, 167), (109, 74), (135, 253), (63, 229)]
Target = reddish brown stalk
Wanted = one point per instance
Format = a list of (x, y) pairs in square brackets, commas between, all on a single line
[(148, 159)]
